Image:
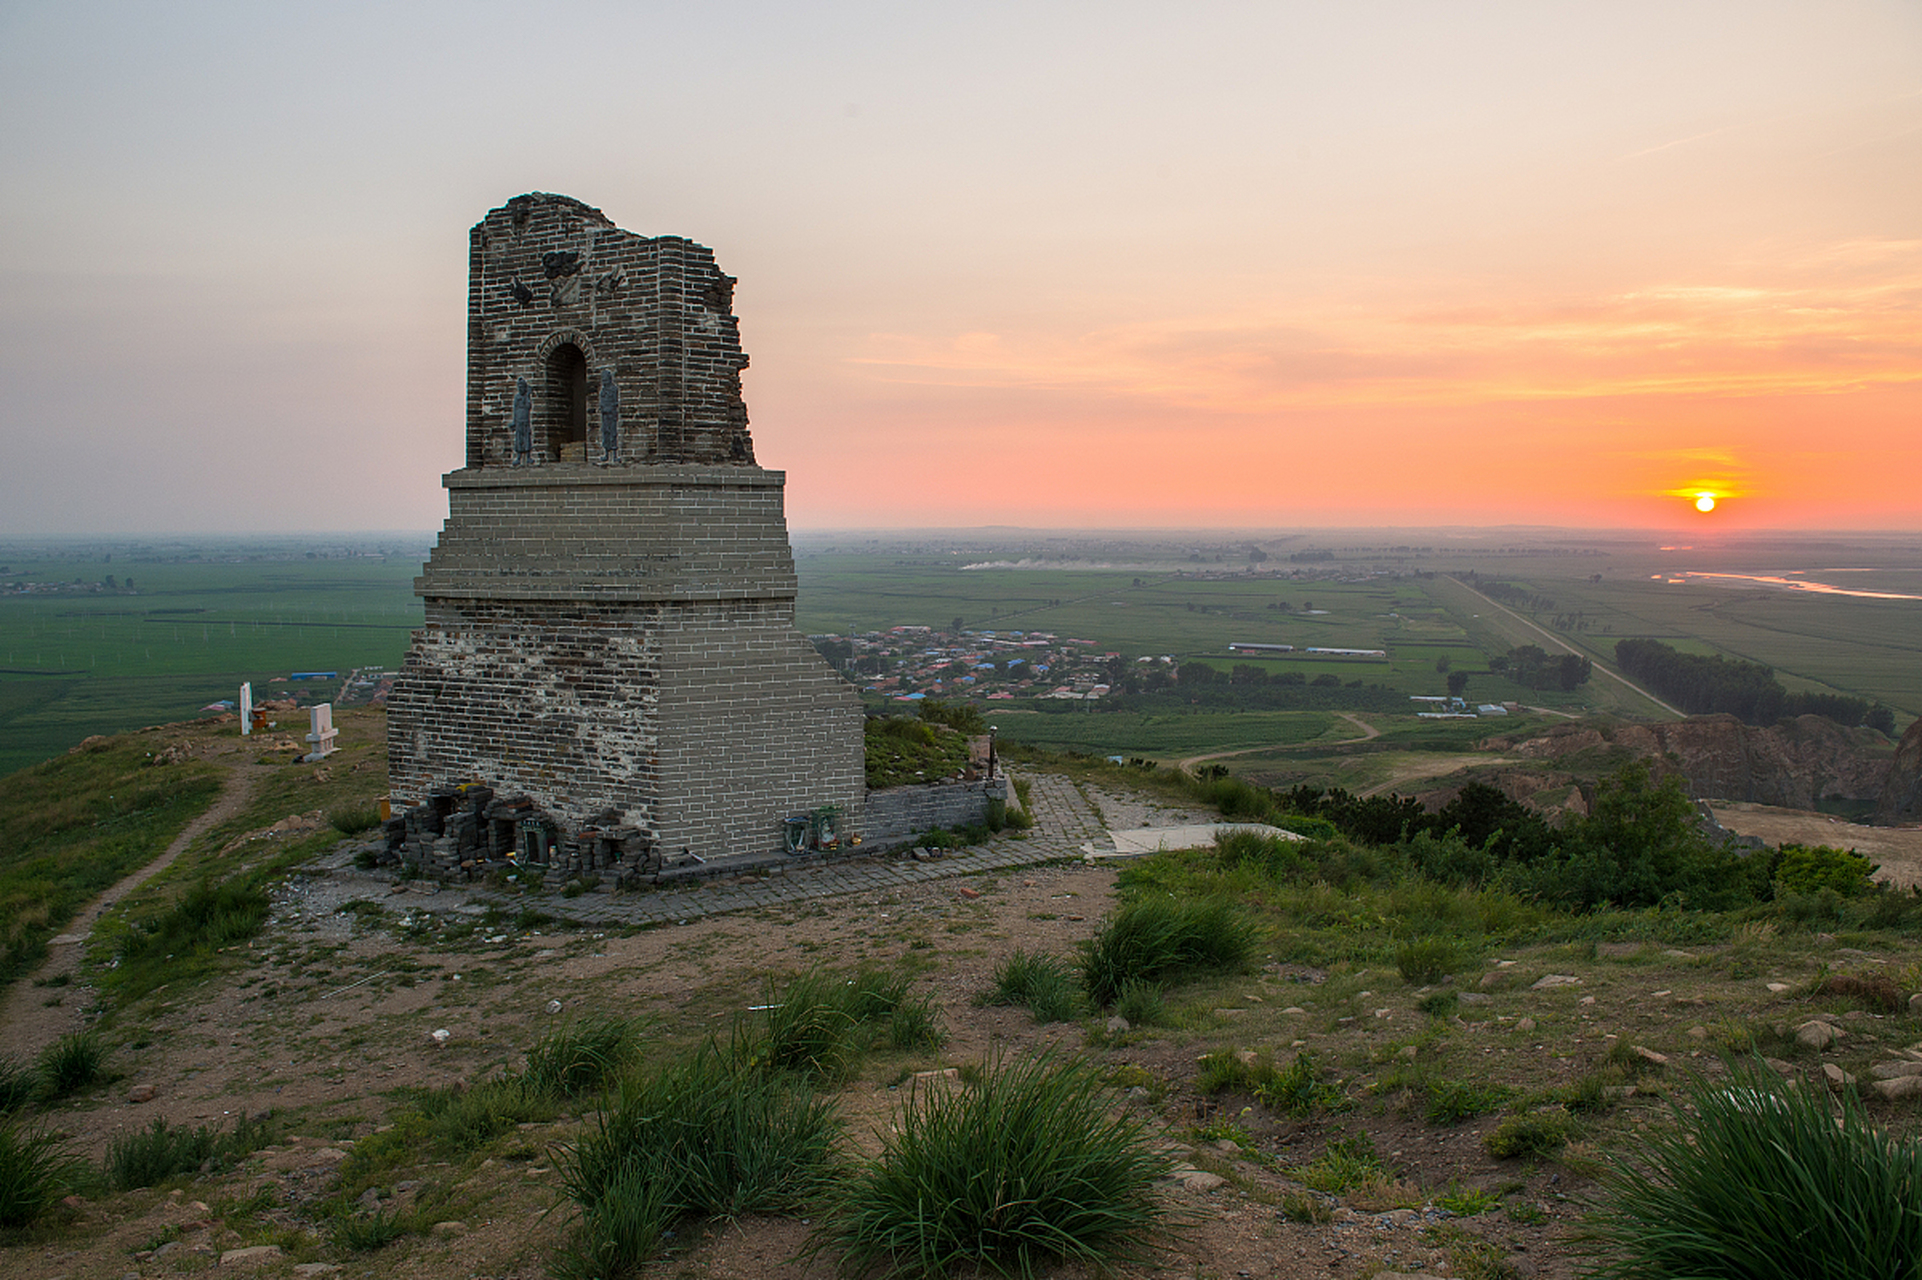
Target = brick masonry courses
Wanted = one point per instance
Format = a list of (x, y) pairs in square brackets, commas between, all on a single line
[(610, 636), (1064, 822)]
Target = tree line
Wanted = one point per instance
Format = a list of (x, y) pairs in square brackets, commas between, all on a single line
[(1747, 690)]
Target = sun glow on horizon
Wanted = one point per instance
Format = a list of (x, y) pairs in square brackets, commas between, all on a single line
[(1705, 502)]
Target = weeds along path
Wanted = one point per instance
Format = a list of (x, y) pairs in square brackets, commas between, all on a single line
[(1367, 731), (31, 1023)]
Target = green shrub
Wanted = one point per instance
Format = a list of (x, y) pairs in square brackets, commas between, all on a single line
[(1532, 1136), (35, 1171), (1162, 939), (1141, 1004), (207, 917), (1762, 1180), (71, 1063), (579, 1057), (148, 1157), (706, 1134), (365, 1232), (355, 819), (1453, 1101), (1439, 1004), (1809, 869), (1296, 1090), (19, 1083), (809, 1027), (915, 1025), (1042, 984), (1346, 1163), (1426, 960), (1032, 1166)]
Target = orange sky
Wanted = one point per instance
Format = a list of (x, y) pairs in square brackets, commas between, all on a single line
[(1040, 264)]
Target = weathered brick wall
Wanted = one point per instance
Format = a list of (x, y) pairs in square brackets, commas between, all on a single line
[(546, 274), (895, 815), (616, 642)]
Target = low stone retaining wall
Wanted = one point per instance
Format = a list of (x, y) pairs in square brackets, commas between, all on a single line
[(893, 817)]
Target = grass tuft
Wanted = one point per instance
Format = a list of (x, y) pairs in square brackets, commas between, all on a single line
[(1425, 961), (71, 1063), (35, 1171), (1162, 939), (150, 1156), (1749, 1166), (1030, 1167), (1042, 984), (707, 1134), (579, 1058)]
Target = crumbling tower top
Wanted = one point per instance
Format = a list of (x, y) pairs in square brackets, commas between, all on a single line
[(634, 351)]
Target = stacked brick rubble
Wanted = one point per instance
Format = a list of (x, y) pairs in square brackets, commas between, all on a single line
[(609, 674)]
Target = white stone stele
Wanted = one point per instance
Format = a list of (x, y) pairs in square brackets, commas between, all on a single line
[(321, 733), (247, 709), (1142, 841)]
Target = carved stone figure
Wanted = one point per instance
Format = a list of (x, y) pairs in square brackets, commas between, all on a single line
[(610, 419), (523, 422)]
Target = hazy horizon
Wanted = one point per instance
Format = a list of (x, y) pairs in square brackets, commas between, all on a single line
[(1043, 266)]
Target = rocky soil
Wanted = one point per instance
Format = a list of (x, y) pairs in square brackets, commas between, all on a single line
[(362, 987)]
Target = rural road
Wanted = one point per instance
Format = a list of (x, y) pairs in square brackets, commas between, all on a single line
[(1367, 731), (1563, 646)]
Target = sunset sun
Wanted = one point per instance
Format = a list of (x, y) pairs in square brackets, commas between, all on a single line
[(1705, 502)]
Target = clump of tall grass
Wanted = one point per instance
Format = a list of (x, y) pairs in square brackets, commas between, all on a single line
[(19, 1083), (822, 1022), (1422, 961), (207, 917), (1161, 939), (354, 819), (1031, 1166), (35, 1171), (1750, 1165), (150, 1156), (363, 1233), (578, 1058), (1042, 984), (1297, 1089), (71, 1063), (706, 1134)]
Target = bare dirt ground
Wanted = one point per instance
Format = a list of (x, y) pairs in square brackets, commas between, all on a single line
[(361, 987)]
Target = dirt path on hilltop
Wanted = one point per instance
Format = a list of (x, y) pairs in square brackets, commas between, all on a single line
[(1367, 731), (32, 1023)]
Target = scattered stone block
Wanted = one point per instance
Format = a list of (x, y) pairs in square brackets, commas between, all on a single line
[(252, 1256), (1837, 1078), (1817, 1034), (142, 1093), (1899, 1087), (1549, 981), (1647, 1054), (1893, 1070)]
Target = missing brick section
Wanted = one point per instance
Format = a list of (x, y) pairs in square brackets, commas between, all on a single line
[(469, 832)]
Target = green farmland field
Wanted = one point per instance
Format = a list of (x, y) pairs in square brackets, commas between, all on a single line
[(76, 662)]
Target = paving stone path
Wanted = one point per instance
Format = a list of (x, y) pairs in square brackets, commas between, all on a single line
[(1064, 822)]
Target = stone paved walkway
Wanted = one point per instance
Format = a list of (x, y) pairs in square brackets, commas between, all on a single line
[(1063, 823)]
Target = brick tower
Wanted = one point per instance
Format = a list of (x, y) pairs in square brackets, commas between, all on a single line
[(609, 645)]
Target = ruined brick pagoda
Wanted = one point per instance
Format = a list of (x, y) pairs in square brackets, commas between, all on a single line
[(609, 677)]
